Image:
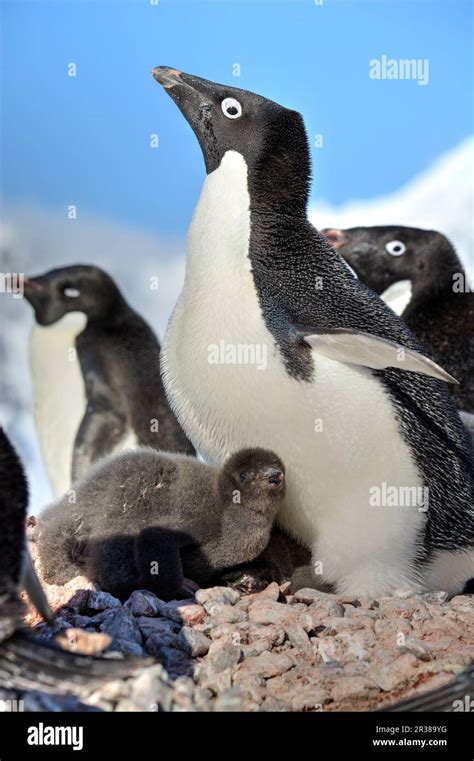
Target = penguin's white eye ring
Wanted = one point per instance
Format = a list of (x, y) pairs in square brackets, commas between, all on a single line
[(231, 108), (395, 248), (71, 293)]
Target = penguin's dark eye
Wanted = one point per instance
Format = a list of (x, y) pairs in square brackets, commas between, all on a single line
[(395, 248), (243, 477), (231, 108), (71, 293)]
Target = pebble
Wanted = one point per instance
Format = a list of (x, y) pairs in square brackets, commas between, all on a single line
[(226, 595), (183, 612), (353, 687), (194, 643), (143, 603), (224, 614), (271, 650), (267, 665), (102, 601)]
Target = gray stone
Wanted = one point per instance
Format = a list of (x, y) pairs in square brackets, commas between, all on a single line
[(416, 647), (226, 595), (267, 665), (126, 647), (151, 691), (353, 687), (159, 626), (271, 612), (156, 641), (143, 603), (298, 637), (224, 614), (121, 625), (222, 655), (229, 699), (102, 601), (194, 643), (185, 611)]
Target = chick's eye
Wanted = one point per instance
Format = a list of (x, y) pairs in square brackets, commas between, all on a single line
[(231, 108), (71, 293), (395, 248), (242, 477)]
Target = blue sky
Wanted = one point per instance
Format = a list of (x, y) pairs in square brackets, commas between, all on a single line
[(85, 140)]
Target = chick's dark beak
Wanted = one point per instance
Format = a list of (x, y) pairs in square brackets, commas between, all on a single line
[(274, 476)]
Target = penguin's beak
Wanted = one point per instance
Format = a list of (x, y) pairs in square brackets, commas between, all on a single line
[(335, 237), (32, 284), (167, 77), (194, 98)]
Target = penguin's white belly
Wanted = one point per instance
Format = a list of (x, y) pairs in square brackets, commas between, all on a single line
[(398, 295), (59, 395), (337, 435)]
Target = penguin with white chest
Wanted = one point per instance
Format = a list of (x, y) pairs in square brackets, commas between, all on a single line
[(326, 397), (440, 309), (95, 365)]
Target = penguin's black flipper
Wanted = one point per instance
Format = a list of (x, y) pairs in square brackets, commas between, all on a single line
[(360, 348), (101, 428), (104, 423), (454, 696)]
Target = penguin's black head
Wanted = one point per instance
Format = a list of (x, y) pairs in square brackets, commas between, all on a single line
[(78, 288), (258, 475), (271, 138), (385, 255)]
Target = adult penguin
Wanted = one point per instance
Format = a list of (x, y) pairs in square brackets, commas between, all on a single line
[(274, 343), (94, 366)]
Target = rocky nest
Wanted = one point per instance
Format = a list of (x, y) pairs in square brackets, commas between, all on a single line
[(224, 650)]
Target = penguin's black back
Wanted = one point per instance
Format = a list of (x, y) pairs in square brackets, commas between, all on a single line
[(120, 360), (445, 326)]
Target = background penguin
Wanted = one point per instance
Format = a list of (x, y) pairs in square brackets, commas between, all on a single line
[(16, 567), (258, 274), (440, 309), (112, 397), (147, 519)]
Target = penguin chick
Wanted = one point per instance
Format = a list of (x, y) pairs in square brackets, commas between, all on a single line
[(440, 310), (116, 398), (147, 519)]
